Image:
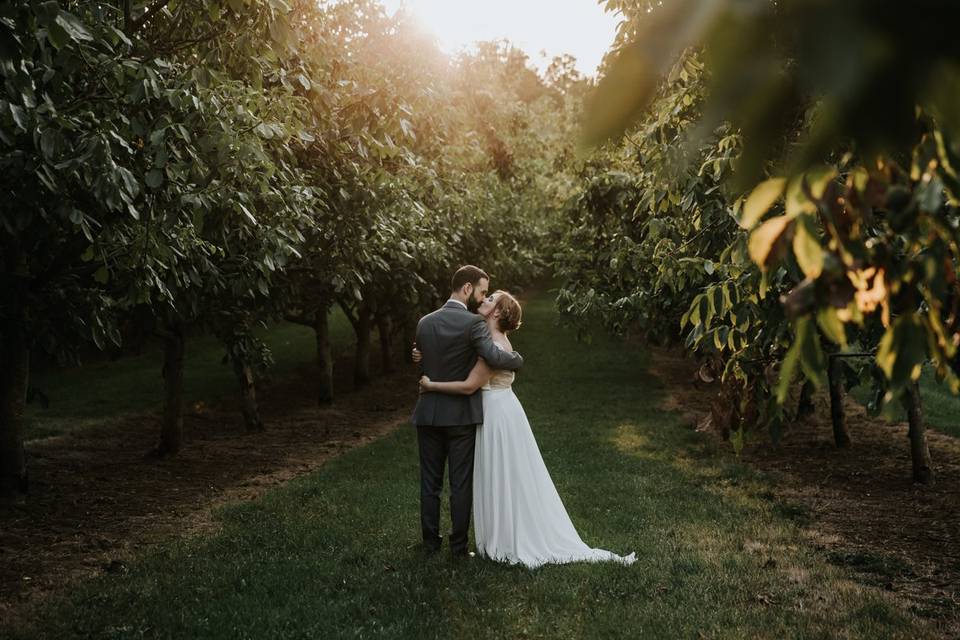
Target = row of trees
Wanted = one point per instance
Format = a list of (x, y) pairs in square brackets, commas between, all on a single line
[(175, 167), (773, 201)]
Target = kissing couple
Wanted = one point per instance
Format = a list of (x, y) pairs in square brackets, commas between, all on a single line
[(468, 414)]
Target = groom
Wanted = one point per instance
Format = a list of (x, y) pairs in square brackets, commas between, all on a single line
[(450, 339)]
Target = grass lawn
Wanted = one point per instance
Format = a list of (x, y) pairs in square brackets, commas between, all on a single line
[(83, 396), (334, 554)]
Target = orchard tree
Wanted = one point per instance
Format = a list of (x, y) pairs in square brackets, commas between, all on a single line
[(861, 149), (67, 157)]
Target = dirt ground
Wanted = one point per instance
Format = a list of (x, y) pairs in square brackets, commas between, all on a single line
[(859, 506), (96, 499)]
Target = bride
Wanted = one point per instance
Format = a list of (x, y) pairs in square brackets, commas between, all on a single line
[(518, 515)]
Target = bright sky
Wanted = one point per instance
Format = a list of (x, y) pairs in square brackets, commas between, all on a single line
[(578, 27)]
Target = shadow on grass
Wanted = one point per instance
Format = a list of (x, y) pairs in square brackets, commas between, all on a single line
[(334, 554)]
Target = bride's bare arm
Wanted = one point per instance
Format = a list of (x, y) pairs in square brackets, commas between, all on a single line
[(479, 376)]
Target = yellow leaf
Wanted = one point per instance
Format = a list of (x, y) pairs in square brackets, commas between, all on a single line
[(765, 237), (761, 199), (818, 179), (796, 200)]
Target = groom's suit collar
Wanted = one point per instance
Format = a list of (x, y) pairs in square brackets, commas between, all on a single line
[(455, 304)]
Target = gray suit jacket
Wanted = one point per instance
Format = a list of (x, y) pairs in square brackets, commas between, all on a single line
[(450, 340)]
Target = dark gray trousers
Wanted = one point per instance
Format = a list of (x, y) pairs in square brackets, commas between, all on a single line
[(437, 444)]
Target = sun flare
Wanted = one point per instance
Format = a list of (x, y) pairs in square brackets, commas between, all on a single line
[(542, 28)]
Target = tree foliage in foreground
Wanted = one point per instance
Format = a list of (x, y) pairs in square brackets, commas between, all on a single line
[(846, 117)]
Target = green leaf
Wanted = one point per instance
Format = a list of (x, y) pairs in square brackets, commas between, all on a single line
[(632, 78), (760, 200), (787, 370), (807, 249), (154, 178), (902, 351), (247, 213), (74, 28), (720, 337), (831, 325), (48, 143), (812, 359), (264, 130), (57, 35), (19, 116), (102, 275), (129, 181)]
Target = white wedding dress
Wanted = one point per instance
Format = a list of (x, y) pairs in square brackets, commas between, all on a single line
[(518, 515)]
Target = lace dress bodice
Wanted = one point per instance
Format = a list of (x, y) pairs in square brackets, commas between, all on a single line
[(501, 379)]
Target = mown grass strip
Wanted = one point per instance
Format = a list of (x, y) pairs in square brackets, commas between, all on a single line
[(334, 554)]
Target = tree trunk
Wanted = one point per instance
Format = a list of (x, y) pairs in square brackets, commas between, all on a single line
[(919, 452), (363, 328), (14, 377), (248, 394), (841, 438), (805, 406), (385, 329), (174, 350), (324, 356)]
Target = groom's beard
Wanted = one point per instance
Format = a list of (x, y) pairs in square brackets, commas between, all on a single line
[(473, 305)]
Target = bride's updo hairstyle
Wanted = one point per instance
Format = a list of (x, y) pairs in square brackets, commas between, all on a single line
[(510, 312)]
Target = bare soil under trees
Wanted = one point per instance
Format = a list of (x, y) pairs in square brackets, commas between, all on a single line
[(858, 505), (96, 499)]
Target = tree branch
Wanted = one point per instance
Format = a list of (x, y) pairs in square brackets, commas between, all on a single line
[(135, 25), (299, 318), (348, 311)]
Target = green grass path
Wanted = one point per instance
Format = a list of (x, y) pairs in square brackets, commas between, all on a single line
[(334, 554)]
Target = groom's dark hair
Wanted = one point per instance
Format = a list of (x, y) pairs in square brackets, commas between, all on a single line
[(467, 274)]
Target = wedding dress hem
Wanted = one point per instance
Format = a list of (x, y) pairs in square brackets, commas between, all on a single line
[(519, 518), (570, 559)]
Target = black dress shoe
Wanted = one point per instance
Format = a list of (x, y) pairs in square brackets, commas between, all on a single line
[(463, 555)]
